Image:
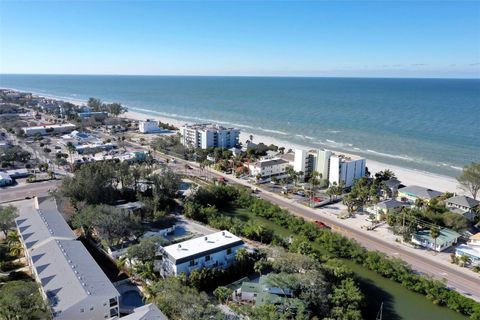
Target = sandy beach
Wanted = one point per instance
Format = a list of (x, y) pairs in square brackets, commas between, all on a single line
[(405, 175)]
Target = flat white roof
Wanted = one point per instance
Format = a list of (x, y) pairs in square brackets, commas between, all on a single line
[(190, 249), (66, 125)]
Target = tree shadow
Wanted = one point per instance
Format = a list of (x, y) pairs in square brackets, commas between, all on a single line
[(374, 296)]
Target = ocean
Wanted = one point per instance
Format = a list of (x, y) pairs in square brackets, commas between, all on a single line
[(430, 125)]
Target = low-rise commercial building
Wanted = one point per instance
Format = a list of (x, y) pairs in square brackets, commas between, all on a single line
[(209, 135), (71, 282), (216, 250), (471, 249), (49, 129)]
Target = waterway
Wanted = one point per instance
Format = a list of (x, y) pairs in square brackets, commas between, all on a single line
[(399, 303)]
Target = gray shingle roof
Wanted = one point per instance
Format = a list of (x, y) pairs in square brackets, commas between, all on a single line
[(420, 192), (390, 204), (463, 201)]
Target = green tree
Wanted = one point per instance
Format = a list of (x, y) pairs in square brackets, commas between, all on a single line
[(21, 300), (179, 301), (470, 178), (435, 233), (95, 104), (222, 294), (346, 300), (7, 218), (116, 109)]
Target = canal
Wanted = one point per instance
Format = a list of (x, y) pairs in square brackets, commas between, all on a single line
[(399, 303)]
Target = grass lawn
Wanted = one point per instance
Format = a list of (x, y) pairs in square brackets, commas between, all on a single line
[(246, 215)]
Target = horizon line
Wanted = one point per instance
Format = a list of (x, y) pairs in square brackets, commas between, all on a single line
[(240, 76)]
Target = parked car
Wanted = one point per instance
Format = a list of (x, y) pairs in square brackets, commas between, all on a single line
[(321, 225)]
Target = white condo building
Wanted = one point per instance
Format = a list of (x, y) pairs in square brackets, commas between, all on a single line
[(209, 135), (216, 250), (148, 126), (71, 282), (346, 168), (267, 169), (332, 166)]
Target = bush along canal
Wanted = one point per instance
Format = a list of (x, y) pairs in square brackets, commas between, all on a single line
[(399, 303)]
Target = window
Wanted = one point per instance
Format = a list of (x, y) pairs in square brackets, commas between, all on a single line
[(91, 308), (192, 263), (229, 250), (207, 258), (82, 310), (104, 304)]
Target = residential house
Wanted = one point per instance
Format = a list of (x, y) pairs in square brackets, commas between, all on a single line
[(391, 186), (386, 207), (147, 312), (445, 240), (216, 250), (471, 249), (463, 205), (412, 193), (71, 282), (262, 293)]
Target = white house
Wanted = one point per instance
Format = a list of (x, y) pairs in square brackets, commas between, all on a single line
[(216, 250), (267, 169), (149, 126), (71, 282), (209, 135), (346, 168)]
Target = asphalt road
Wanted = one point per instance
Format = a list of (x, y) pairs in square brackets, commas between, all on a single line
[(30, 190), (466, 284)]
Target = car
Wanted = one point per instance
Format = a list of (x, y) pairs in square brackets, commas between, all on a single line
[(321, 225), (300, 193)]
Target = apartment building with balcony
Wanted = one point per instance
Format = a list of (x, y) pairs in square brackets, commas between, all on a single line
[(216, 250), (209, 135), (268, 169)]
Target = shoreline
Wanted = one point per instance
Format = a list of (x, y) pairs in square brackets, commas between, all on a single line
[(406, 176)]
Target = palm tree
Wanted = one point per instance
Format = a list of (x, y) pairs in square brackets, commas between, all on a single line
[(71, 149), (16, 250), (12, 239), (464, 260), (434, 233)]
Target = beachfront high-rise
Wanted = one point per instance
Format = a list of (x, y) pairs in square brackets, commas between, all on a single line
[(334, 167), (209, 135)]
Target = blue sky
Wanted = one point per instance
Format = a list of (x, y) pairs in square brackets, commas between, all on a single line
[(379, 39)]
